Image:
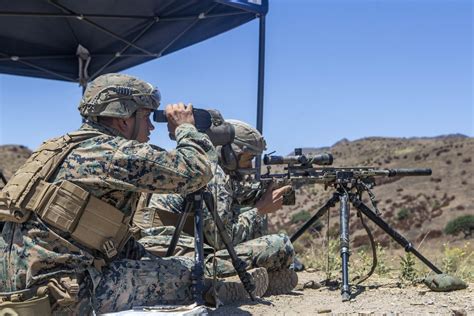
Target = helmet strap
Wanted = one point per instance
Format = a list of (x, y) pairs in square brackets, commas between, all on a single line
[(136, 127)]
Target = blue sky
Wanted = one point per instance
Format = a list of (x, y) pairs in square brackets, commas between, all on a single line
[(334, 69)]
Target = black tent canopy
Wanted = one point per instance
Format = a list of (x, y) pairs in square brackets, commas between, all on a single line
[(79, 40)]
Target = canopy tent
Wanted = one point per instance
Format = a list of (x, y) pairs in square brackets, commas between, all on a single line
[(77, 41), (80, 40)]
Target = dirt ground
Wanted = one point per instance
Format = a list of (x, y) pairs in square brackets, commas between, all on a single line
[(375, 297)]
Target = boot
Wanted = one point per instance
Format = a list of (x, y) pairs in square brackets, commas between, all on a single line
[(281, 282), (231, 289)]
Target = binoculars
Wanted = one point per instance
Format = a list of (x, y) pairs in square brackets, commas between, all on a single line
[(210, 122)]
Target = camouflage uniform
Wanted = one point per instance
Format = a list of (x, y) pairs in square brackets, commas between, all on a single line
[(115, 170), (246, 227)]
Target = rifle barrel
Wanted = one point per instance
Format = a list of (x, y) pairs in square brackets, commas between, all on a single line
[(409, 172)]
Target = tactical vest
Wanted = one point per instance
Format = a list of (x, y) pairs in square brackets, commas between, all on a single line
[(66, 207)]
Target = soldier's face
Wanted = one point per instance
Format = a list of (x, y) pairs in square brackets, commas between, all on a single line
[(144, 125), (245, 160)]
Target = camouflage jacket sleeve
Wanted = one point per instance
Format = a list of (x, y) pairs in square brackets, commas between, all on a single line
[(141, 167), (241, 223), (173, 203)]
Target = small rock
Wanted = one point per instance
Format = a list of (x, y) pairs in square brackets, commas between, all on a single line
[(299, 287), (312, 285), (324, 311), (310, 270), (459, 312)]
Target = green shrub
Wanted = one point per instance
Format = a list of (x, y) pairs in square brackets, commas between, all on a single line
[(383, 267), (408, 271), (463, 224), (301, 216), (404, 213), (363, 261)]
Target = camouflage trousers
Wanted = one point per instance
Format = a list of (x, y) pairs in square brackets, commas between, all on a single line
[(134, 278), (126, 283), (273, 252)]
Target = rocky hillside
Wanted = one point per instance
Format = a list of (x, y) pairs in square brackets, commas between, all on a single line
[(418, 207), (11, 158)]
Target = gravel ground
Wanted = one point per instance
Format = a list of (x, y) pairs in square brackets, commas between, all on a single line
[(375, 297)]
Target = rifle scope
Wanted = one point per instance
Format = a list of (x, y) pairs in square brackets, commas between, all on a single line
[(325, 159)]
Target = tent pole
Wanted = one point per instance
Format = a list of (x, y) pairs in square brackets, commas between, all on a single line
[(261, 71)]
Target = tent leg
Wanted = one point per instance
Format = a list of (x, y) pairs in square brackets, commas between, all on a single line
[(261, 73)]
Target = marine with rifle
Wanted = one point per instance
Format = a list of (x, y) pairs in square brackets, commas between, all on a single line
[(244, 219)]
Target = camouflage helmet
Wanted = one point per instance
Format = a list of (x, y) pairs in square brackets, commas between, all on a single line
[(117, 95), (248, 138)]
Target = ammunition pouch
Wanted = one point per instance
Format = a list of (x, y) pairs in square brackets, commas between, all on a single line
[(56, 295), (63, 291), (15, 303), (89, 220)]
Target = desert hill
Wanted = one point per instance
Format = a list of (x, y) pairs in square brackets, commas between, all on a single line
[(11, 158)]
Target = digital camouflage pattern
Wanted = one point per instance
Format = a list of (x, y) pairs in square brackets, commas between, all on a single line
[(126, 283), (247, 138), (247, 229), (117, 95), (157, 239), (115, 170), (242, 222), (273, 252)]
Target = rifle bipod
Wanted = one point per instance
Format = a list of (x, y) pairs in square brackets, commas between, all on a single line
[(345, 197), (193, 204)]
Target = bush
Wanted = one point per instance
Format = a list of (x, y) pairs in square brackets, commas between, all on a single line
[(403, 214), (408, 271), (301, 216), (463, 224), (458, 261)]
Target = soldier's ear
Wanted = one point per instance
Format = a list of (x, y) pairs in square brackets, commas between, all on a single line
[(121, 124), (125, 126)]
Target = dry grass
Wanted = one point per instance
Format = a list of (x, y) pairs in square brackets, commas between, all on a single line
[(455, 259)]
